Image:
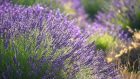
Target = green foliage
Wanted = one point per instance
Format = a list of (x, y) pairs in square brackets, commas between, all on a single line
[(24, 2), (48, 3), (53, 4), (119, 20), (85, 73), (93, 6), (135, 22), (104, 41)]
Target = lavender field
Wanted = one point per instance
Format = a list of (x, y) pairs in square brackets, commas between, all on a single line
[(69, 39)]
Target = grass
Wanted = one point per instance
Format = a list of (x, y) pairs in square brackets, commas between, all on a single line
[(128, 75)]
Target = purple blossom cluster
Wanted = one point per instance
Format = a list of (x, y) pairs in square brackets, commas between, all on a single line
[(50, 42)]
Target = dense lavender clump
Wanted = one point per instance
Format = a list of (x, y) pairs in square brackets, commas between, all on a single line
[(95, 60), (115, 20), (123, 12), (104, 70), (36, 42), (106, 23), (44, 33)]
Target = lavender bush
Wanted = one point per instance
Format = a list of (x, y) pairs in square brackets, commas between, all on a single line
[(36, 42), (124, 13)]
